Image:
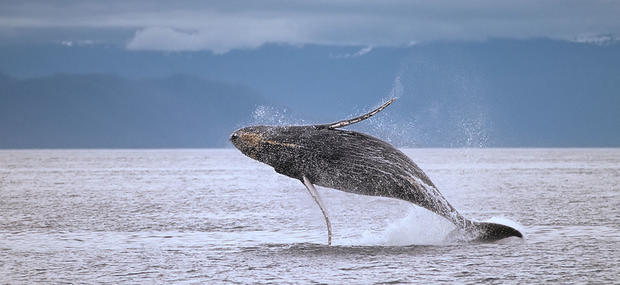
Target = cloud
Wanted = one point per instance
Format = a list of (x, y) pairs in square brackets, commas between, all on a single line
[(361, 52), (599, 40), (77, 43), (358, 53), (162, 38), (220, 26), (218, 36)]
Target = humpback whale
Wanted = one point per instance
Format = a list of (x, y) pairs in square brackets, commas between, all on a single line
[(328, 156)]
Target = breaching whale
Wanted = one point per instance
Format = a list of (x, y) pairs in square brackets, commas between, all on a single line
[(354, 162)]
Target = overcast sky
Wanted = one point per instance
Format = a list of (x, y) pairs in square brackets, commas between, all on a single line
[(220, 26)]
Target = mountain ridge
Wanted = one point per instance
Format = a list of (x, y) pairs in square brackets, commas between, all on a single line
[(496, 93)]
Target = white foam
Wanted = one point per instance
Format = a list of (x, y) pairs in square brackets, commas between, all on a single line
[(418, 227)]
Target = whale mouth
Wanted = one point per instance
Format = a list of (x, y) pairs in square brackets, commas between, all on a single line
[(233, 137)]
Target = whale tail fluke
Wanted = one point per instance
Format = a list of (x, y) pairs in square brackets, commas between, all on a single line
[(483, 232)]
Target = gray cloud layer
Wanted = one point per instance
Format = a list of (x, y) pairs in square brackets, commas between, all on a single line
[(223, 25)]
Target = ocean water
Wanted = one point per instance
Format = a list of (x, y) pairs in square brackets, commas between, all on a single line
[(215, 216)]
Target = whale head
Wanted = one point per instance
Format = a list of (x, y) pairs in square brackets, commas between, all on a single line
[(274, 145)]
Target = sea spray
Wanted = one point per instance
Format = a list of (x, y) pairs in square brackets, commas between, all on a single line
[(391, 128), (274, 116), (417, 227)]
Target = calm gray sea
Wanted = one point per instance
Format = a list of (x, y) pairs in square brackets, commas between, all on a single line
[(215, 216)]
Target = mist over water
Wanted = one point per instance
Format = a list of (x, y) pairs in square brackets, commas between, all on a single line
[(209, 216), (445, 109), (453, 116), (442, 111)]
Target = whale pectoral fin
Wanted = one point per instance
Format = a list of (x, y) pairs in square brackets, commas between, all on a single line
[(345, 123), (315, 195)]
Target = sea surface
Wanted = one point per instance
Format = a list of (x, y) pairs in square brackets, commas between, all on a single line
[(215, 216)]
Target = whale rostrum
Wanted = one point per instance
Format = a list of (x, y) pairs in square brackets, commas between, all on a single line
[(354, 162)]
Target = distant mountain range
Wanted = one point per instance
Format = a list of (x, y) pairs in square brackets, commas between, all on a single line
[(516, 93), (107, 111)]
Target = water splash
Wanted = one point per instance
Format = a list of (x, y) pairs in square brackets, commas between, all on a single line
[(445, 109), (397, 87), (418, 227), (386, 127), (269, 115), (474, 129)]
